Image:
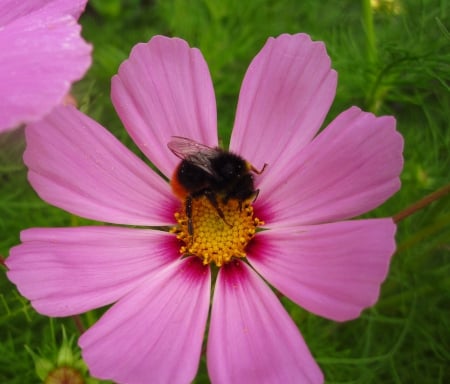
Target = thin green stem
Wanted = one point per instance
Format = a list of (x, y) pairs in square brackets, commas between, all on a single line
[(418, 205), (370, 31), (79, 324), (424, 233)]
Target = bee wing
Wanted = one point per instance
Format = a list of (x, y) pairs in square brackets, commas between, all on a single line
[(194, 152)]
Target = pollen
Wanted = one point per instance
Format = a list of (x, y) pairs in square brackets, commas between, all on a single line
[(215, 239)]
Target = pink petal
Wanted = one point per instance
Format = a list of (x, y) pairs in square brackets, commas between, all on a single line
[(251, 338), (164, 89), (45, 55), (76, 164), (11, 10), (350, 168), (65, 271), (155, 334), (333, 270), (285, 96)]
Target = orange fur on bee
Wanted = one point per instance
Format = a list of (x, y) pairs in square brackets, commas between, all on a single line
[(177, 188)]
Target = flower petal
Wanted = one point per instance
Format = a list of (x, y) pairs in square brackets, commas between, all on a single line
[(77, 165), (333, 270), (350, 168), (11, 10), (164, 89), (285, 96), (252, 339), (65, 271), (45, 54), (154, 334)]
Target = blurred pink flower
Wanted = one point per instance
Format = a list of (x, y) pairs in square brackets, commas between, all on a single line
[(42, 55), (308, 251)]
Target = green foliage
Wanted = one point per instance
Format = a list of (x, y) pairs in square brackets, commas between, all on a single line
[(398, 65)]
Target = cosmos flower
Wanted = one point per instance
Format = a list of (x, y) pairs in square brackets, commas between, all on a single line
[(42, 55), (296, 235)]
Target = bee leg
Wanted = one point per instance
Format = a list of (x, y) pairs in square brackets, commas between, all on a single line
[(257, 171), (188, 211), (255, 195), (212, 199)]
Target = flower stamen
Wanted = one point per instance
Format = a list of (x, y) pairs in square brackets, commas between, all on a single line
[(214, 239)]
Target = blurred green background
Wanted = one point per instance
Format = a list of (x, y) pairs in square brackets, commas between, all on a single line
[(393, 57)]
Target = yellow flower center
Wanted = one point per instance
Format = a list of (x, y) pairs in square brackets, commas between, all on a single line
[(214, 239)]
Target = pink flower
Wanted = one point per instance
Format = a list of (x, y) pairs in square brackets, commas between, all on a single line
[(42, 54), (309, 251)]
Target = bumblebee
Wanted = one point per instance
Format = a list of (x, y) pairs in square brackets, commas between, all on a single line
[(215, 173)]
